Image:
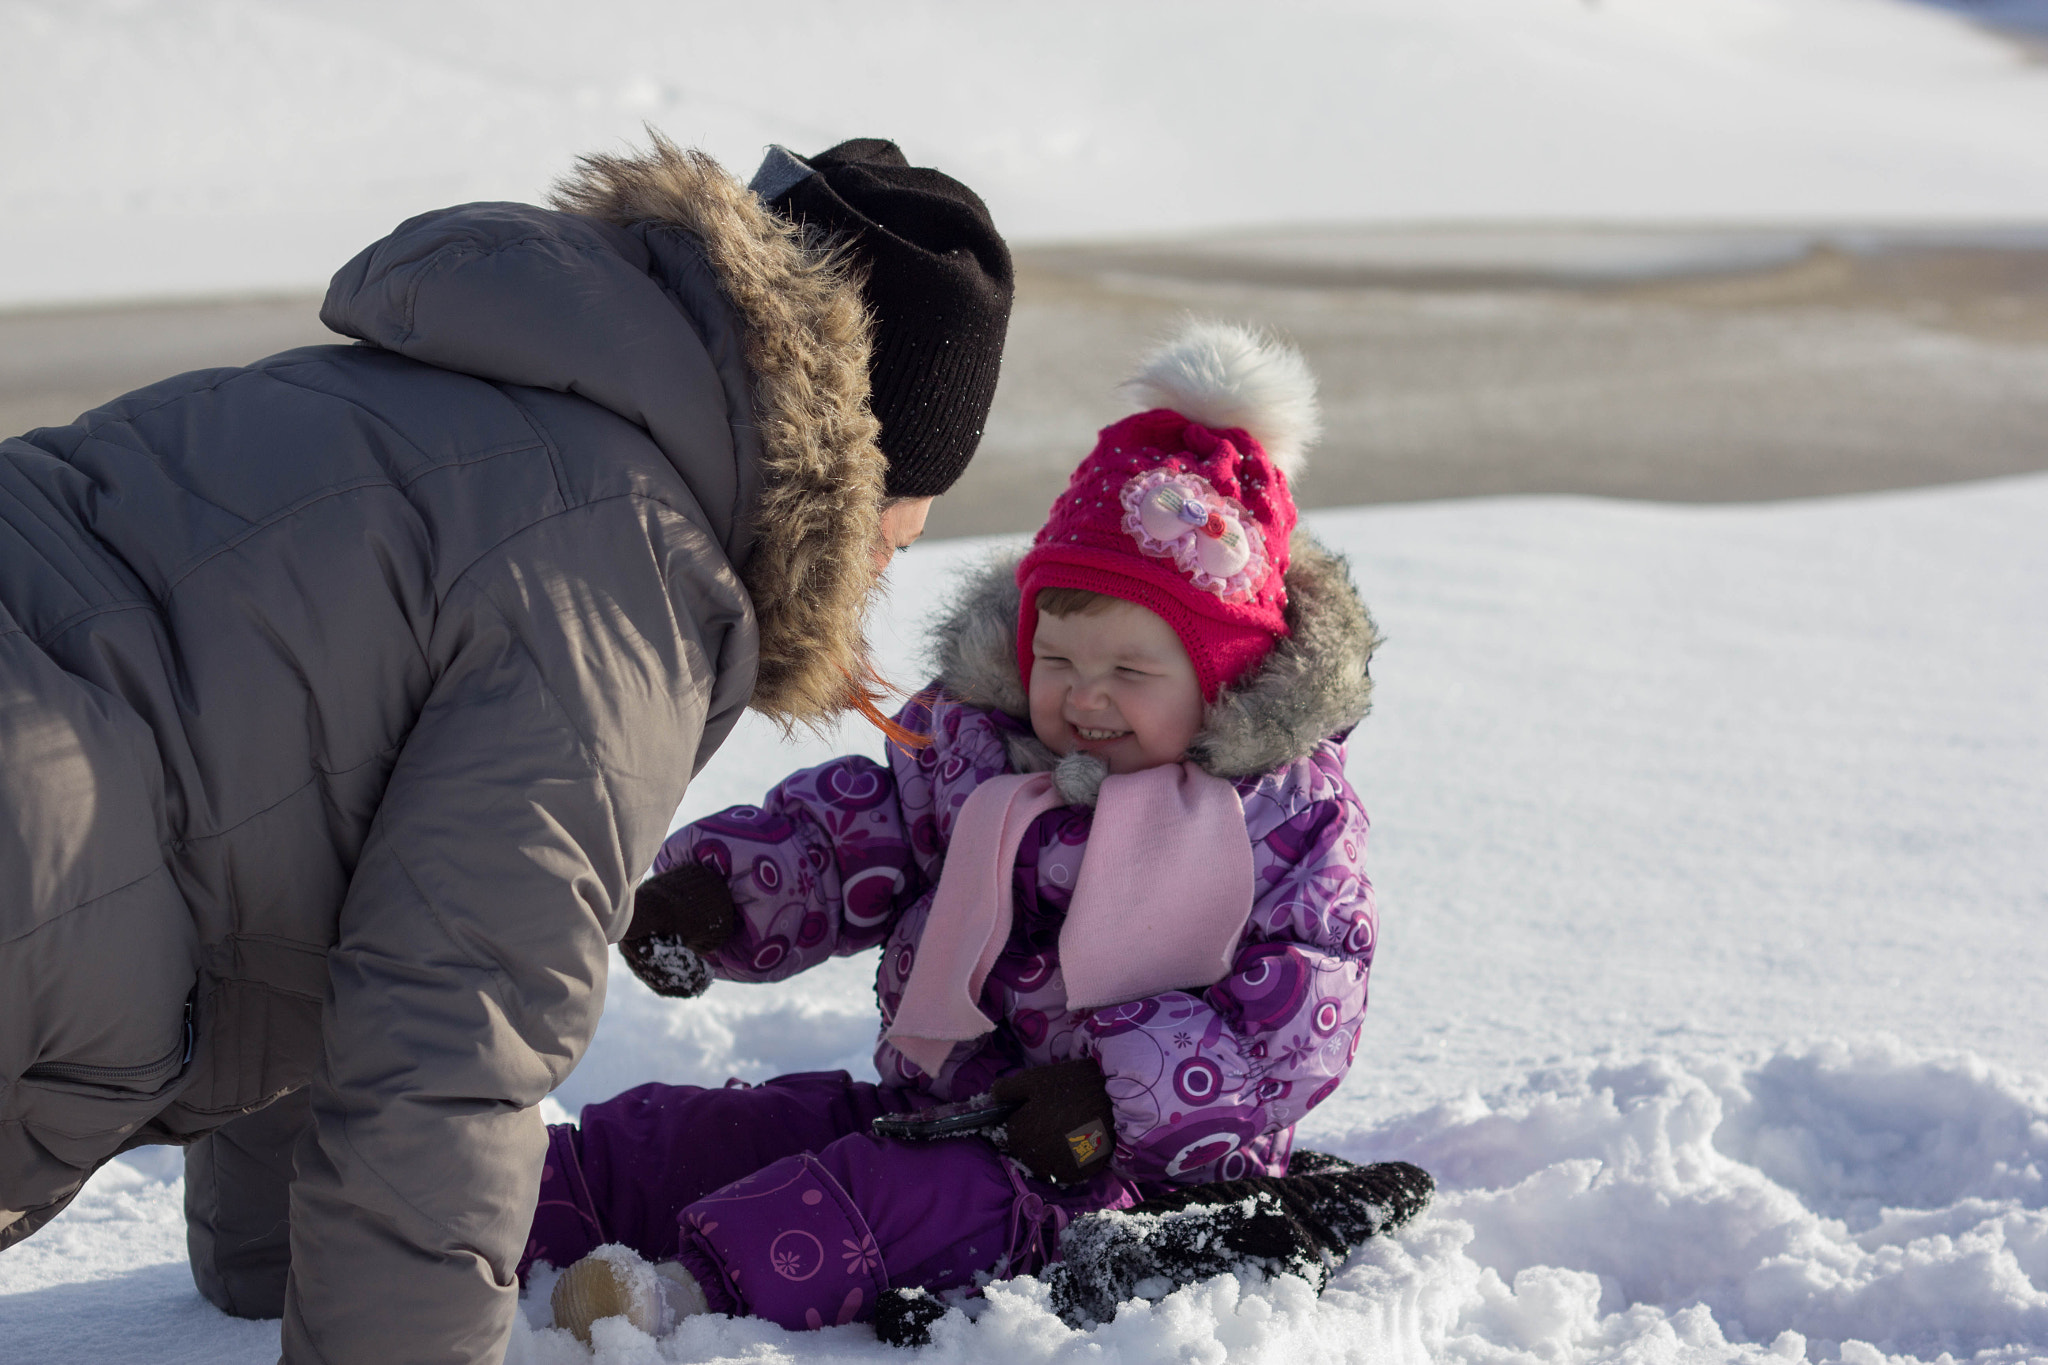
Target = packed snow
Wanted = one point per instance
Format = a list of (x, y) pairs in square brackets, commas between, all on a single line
[(1708, 843), (183, 147)]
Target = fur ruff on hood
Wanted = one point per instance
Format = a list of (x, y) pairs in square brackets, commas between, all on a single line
[(807, 338), (1314, 684)]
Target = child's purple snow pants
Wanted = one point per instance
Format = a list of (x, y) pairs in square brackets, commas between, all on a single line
[(783, 1205)]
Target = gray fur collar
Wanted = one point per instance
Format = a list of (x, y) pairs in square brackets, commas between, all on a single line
[(1314, 684)]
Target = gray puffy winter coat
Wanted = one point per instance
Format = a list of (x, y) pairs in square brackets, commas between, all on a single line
[(344, 697)]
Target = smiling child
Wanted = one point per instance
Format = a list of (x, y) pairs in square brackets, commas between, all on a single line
[(1120, 887)]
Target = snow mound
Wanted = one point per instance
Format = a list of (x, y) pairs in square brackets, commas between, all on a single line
[(1858, 1132), (1634, 1198), (1853, 1203), (1650, 1211)]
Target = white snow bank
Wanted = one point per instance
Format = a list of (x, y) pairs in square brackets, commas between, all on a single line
[(1612, 1212), (1616, 1190), (201, 146), (1709, 858)]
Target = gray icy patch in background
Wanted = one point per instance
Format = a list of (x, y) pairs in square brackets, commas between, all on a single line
[(1683, 364), (1689, 364)]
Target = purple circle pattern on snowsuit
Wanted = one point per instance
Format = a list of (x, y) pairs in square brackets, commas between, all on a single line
[(1207, 1084)]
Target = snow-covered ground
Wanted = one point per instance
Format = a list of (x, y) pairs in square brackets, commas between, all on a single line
[(1710, 853), (182, 147)]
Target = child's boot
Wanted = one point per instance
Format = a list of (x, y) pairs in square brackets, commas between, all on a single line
[(613, 1282)]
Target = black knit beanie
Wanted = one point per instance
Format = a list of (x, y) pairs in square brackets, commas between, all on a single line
[(938, 282)]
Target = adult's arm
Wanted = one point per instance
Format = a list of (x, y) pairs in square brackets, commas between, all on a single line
[(571, 697)]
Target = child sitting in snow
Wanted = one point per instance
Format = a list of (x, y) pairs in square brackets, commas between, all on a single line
[(1121, 887)]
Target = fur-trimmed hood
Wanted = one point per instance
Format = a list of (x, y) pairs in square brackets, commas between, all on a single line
[(810, 568), (662, 289), (1314, 684)]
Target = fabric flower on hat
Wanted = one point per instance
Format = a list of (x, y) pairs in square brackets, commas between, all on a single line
[(1210, 537)]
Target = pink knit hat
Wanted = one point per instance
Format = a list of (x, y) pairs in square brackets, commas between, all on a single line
[(1184, 508)]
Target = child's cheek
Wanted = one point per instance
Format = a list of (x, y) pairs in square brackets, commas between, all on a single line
[(1045, 716)]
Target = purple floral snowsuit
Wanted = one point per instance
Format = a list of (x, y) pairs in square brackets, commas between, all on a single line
[(1206, 1084)]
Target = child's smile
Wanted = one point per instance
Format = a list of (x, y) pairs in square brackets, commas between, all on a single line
[(1115, 682)]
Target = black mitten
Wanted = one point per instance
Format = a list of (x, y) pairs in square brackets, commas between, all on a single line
[(1066, 1130), (678, 916), (1303, 1223), (904, 1317)]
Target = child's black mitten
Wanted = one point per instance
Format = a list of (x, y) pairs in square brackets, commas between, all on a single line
[(1066, 1130), (678, 916), (904, 1317), (1304, 1223)]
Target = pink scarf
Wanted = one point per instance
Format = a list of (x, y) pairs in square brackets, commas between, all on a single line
[(1163, 896)]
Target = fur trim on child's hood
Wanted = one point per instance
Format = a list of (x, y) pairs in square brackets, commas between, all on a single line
[(1314, 684)]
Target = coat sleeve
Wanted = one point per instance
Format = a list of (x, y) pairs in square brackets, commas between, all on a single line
[(469, 971), (820, 868), (1196, 1078)]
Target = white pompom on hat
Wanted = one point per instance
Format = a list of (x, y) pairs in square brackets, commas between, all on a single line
[(1224, 375)]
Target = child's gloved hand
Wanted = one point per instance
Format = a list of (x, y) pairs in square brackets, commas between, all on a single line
[(1066, 1130), (683, 913)]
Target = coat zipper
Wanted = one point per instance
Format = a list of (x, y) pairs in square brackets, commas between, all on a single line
[(174, 1060)]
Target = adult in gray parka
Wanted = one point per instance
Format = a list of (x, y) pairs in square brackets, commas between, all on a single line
[(344, 697)]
